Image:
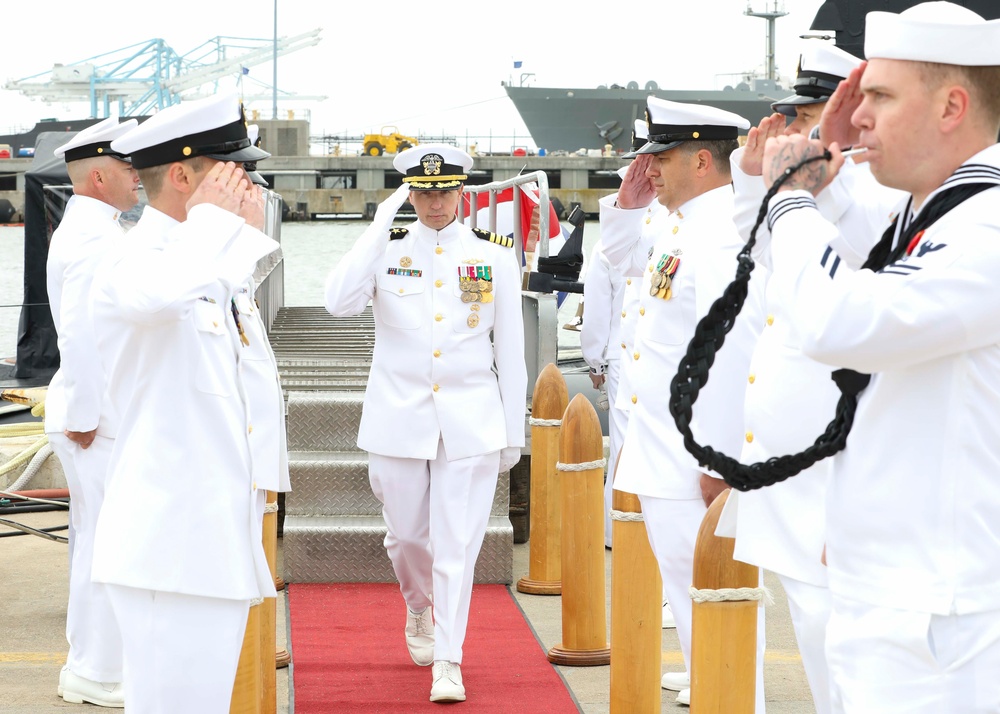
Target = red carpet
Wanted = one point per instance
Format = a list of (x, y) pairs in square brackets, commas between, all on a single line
[(349, 655)]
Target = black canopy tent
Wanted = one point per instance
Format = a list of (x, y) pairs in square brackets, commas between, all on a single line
[(847, 17), (46, 191)]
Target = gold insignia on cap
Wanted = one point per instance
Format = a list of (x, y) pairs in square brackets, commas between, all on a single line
[(432, 164), (695, 135), (186, 151)]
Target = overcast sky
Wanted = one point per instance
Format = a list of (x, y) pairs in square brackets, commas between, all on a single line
[(410, 63)]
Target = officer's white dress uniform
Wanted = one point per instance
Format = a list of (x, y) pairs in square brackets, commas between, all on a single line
[(913, 558), (76, 400), (790, 398), (179, 538), (436, 416), (654, 463), (603, 294)]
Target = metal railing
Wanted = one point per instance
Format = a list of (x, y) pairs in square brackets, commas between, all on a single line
[(539, 310)]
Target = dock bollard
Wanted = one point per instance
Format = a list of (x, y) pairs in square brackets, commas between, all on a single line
[(636, 612), (548, 403), (269, 624), (584, 613), (249, 683), (726, 596)]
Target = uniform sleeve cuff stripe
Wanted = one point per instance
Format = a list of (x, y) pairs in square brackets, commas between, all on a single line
[(783, 206)]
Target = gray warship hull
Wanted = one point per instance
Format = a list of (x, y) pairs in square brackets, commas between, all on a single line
[(567, 119)]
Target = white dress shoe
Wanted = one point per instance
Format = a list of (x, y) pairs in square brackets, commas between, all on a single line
[(447, 685), (676, 681), (684, 698), (420, 636), (62, 679), (668, 616), (77, 690)]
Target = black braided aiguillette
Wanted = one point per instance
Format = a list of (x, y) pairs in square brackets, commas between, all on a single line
[(692, 375)]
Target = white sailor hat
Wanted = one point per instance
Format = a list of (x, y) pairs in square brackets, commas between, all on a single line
[(96, 140), (821, 68), (433, 167), (673, 123), (253, 133), (214, 127), (940, 32), (640, 136)]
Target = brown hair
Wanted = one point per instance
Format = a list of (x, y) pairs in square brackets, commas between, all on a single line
[(983, 84)]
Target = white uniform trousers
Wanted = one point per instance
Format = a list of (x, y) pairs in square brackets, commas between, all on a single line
[(181, 651), (95, 641), (809, 606), (617, 423), (888, 661), (436, 513), (672, 527)]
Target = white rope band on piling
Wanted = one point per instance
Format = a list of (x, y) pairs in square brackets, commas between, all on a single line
[(271, 507), (761, 594), (627, 516), (544, 422), (585, 466)]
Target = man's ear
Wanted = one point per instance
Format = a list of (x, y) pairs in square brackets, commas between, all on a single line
[(703, 161), (181, 177)]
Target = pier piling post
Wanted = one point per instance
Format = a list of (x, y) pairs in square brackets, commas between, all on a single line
[(724, 623), (248, 686), (636, 612), (268, 629), (584, 614), (548, 403)]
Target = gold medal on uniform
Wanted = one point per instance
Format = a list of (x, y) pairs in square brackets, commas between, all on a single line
[(405, 262), (662, 279), (473, 320)]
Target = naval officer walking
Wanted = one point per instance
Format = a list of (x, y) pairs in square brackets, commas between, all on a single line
[(444, 409), (179, 537), (78, 417)]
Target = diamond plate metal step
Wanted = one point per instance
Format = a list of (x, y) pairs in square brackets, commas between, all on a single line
[(349, 550), (328, 483), (323, 421), (333, 528)]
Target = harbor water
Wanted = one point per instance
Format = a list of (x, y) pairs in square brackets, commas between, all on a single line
[(310, 250)]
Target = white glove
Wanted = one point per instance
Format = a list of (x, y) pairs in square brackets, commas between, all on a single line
[(386, 211), (602, 398), (509, 457)]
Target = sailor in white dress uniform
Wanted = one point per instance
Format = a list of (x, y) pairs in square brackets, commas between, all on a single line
[(179, 537), (78, 418), (913, 506), (687, 269), (791, 398)]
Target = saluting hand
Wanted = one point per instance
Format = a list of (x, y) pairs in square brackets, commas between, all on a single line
[(752, 159), (835, 123), (637, 189), (786, 152), (252, 207), (224, 186)]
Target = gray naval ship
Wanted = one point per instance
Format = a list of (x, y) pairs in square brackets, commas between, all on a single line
[(569, 119)]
